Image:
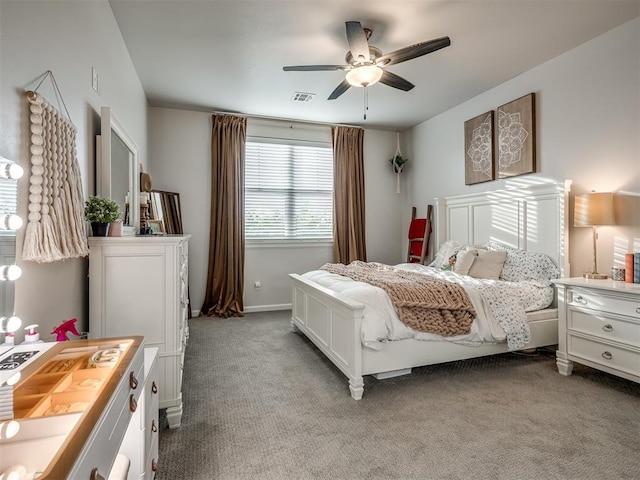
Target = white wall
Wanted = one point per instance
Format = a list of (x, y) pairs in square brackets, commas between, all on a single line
[(588, 130), (68, 38), (180, 161)]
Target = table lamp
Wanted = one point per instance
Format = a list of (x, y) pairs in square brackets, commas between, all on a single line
[(592, 210)]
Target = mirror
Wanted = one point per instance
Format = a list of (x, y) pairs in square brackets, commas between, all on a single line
[(117, 169), (165, 208), (8, 206)]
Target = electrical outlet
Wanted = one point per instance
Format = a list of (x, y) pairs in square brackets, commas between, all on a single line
[(94, 80), (257, 284)]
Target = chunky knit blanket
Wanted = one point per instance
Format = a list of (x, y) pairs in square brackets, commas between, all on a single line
[(423, 303)]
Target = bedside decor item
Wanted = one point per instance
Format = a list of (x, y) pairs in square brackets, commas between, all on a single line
[(55, 230), (100, 212), (593, 210), (516, 137), (628, 267), (479, 149), (617, 274)]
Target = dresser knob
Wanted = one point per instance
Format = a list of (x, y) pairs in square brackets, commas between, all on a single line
[(154, 387), (580, 299), (133, 381), (133, 404), (95, 475), (638, 310), (607, 355), (607, 328)]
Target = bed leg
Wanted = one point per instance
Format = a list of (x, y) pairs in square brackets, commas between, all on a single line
[(357, 388)]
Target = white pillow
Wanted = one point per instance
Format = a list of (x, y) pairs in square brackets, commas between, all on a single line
[(487, 264), (447, 250), (465, 260)]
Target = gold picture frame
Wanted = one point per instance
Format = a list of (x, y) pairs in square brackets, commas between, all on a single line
[(479, 150), (156, 226), (517, 137)]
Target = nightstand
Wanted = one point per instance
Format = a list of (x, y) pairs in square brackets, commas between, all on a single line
[(599, 326)]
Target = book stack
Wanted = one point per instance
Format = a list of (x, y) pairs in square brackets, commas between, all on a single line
[(632, 267), (6, 402)]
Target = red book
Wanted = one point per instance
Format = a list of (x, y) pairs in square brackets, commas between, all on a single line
[(628, 267)]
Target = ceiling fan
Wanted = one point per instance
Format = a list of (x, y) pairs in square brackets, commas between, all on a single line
[(366, 64)]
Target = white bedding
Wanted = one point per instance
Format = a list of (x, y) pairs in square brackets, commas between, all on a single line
[(501, 308)]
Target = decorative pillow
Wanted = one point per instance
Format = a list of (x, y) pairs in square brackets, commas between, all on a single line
[(487, 264), (522, 265), (446, 256), (464, 260)]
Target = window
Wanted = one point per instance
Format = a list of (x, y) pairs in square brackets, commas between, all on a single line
[(288, 191)]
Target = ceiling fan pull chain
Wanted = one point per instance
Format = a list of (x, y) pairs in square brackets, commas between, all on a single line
[(366, 102)]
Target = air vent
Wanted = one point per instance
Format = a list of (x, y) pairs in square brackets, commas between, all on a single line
[(302, 97)]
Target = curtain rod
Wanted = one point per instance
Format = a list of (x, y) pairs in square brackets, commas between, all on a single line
[(289, 120)]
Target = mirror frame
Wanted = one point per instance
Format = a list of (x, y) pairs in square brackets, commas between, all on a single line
[(108, 124)]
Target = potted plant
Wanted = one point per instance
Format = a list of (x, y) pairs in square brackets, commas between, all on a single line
[(100, 212), (398, 161)]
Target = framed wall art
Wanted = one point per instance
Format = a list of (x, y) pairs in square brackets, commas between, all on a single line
[(479, 149), (517, 137)]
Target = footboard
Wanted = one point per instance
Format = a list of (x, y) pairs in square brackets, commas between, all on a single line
[(333, 324)]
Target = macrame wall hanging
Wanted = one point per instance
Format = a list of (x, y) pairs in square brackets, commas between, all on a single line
[(56, 228), (397, 162)]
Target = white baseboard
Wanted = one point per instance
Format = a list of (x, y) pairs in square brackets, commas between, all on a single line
[(267, 308)]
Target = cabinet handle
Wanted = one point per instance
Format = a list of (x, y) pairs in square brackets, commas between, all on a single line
[(95, 475), (133, 404), (607, 328), (580, 299), (154, 427), (154, 465), (133, 381), (638, 310), (607, 355), (154, 387)]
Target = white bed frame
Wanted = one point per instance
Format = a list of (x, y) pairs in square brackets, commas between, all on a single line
[(530, 217)]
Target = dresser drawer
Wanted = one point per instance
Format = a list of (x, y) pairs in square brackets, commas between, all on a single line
[(604, 303), (607, 355), (604, 327)]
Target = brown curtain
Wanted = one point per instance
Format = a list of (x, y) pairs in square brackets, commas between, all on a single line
[(225, 276), (348, 197)]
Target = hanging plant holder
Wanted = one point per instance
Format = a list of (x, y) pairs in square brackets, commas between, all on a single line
[(397, 163)]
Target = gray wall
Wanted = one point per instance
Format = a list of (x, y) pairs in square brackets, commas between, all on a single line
[(588, 130), (67, 38)]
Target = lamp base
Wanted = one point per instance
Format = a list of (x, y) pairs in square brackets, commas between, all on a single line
[(595, 276)]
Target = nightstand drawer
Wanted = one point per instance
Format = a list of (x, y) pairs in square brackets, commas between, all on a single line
[(604, 327), (603, 354), (604, 303)]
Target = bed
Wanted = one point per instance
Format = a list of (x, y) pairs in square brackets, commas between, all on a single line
[(530, 217)]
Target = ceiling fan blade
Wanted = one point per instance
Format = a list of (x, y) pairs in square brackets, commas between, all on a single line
[(395, 81), (314, 68), (340, 89), (357, 41), (413, 51)]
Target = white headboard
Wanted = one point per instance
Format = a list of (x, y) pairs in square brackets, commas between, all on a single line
[(530, 217)]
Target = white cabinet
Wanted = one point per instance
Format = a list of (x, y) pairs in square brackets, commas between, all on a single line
[(139, 286), (599, 326)]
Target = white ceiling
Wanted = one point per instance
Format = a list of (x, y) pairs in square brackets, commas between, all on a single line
[(228, 55)]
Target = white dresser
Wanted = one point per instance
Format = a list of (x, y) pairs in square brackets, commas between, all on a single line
[(599, 326), (139, 286)]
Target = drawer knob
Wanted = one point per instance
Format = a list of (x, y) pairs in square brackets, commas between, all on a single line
[(95, 474), (154, 465), (607, 328), (607, 355), (133, 403), (133, 381), (580, 299), (154, 427), (154, 387), (638, 310)]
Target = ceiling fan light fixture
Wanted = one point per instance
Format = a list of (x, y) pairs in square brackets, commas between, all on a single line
[(364, 75)]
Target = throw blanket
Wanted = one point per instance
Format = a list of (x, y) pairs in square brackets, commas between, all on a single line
[(423, 303)]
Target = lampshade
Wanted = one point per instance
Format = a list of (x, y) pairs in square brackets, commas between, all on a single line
[(364, 75), (592, 209)]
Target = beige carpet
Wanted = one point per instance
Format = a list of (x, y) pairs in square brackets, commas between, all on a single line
[(261, 402)]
